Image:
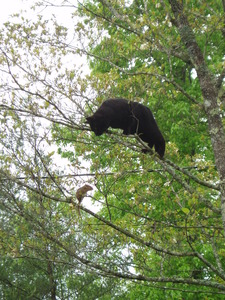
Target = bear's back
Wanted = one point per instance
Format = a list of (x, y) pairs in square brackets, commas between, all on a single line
[(117, 111), (117, 105)]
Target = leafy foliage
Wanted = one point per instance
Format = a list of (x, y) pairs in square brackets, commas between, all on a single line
[(152, 228)]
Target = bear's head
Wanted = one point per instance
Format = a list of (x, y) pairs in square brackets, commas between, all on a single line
[(98, 124)]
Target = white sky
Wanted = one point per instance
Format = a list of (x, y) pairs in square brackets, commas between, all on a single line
[(12, 6), (16, 6)]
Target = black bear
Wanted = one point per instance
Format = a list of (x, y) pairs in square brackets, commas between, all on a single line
[(130, 116)]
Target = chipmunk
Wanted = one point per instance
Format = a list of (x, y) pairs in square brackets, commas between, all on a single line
[(81, 193)]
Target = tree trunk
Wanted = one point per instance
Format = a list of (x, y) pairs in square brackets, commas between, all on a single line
[(51, 281), (210, 92)]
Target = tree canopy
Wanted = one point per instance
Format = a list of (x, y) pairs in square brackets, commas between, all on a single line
[(152, 228)]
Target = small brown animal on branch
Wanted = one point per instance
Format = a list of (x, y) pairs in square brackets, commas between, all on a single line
[(81, 193)]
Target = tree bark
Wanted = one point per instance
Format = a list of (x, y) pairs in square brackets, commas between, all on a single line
[(209, 92), (51, 281)]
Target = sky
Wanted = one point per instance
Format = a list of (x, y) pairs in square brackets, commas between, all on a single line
[(10, 7), (63, 14)]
